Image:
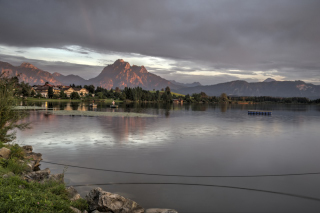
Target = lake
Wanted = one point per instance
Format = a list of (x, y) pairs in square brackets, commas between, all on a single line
[(190, 140)]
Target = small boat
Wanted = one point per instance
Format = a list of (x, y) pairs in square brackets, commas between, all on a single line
[(92, 105), (113, 105)]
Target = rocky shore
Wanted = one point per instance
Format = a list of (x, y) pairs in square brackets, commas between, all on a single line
[(97, 199)]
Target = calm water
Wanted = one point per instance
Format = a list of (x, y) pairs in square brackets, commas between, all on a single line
[(188, 140)]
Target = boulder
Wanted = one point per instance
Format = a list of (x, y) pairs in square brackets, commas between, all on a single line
[(30, 166), (107, 202), (4, 153), (155, 210), (73, 193), (57, 178), (75, 210), (27, 149), (37, 157), (10, 174), (37, 176)]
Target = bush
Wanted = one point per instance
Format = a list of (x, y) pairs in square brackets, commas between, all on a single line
[(16, 152), (16, 166)]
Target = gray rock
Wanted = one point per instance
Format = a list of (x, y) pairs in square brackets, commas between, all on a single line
[(10, 174), (85, 211), (38, 175), (30, 166), (27, 149), (75, 210), (155, 210), (73, 193), (57, 178), (37, 157), (5, 153), (107, 202)]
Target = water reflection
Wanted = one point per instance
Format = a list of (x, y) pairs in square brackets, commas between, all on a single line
[(187, 139)]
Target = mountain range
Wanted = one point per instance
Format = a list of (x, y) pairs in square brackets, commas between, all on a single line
[(121, 74), (268, 88)]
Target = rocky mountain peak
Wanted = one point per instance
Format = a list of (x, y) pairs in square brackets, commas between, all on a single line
[(121, 63), (28, 65)]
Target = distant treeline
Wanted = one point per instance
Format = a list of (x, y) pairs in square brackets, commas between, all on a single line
[(202, 97), (165, 95)]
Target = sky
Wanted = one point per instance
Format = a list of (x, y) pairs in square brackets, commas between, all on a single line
[(208, 41)]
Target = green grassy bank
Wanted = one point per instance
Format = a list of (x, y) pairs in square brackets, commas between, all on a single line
[(18, 195)]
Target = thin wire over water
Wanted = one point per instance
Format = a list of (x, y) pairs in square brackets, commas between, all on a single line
[(207, 185), (192, 176)]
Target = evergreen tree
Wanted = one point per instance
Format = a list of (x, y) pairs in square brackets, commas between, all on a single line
[(9, 117), (50, 92)]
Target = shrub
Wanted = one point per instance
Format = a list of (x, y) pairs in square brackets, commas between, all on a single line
[(16, 152)]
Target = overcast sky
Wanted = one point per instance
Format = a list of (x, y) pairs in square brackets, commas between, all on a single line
[(206, 41)]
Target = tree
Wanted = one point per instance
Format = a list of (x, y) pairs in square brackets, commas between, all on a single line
[(166, 96), (25, 89), (9, 117), (62, 94), (223, 97), (50, 92), (90, 88), (74, 95), (33, 93), (123, 96), (100, 95)]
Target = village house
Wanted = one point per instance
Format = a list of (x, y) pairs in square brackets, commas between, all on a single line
[(43, 90), (179, 101), (81, 91)]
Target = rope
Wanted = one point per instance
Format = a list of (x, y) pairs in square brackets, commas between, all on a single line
[(177, 175), (208, 185)]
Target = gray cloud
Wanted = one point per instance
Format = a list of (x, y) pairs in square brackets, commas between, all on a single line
[(84, 71), (248, 35)]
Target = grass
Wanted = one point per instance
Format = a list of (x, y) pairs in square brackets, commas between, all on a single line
[(18, 195), (95, 113)]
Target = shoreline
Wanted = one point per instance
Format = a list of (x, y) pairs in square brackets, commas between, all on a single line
[(95, 201)]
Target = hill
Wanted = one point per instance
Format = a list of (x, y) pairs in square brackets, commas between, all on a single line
[(271, 88)]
